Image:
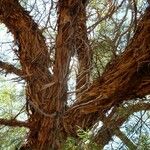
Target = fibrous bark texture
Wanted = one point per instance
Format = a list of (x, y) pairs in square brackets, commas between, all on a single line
[(82, 50), (46, 94), (50, 122), (126, 78)]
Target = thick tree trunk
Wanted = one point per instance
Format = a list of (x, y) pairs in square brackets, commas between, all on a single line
[(46, 94), (45, 102)]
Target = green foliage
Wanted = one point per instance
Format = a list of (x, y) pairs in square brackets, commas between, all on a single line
[(83, 142), (70, 144), (11, 106), (101, 56), (11, 138), (144, 142)]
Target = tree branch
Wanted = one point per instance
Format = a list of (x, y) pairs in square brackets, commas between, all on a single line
[(115, 120), (33, 52), (9, 68), (126, 78), (14, 123), (34, 58), (125, 139)]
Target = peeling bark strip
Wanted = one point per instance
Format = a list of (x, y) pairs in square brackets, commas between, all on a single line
[(45, 130), (128, 77), (83, 50)]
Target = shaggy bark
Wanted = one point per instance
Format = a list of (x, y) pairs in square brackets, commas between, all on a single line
[(46, 94), (126, 78), (34, 59), (83, 50)]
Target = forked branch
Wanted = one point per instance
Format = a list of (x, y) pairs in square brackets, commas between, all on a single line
[(115, 120), (126, 78)]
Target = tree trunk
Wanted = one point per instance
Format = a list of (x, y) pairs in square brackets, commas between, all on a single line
[(45, 103), (46, 94)]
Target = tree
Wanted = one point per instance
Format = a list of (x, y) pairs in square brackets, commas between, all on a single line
[(46, 70)]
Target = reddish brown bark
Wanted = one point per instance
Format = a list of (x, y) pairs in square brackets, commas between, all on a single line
[(126, 78), (46, 94), (34, 59), (83, 50)]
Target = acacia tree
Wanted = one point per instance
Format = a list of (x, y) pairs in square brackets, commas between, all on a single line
[(50, 119)]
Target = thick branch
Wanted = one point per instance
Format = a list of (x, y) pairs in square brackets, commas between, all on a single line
[(128, 77), (115, 120), (35, 61), (10, 69), (84, 51), (14, 123), (33, 52), (125, 139)]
